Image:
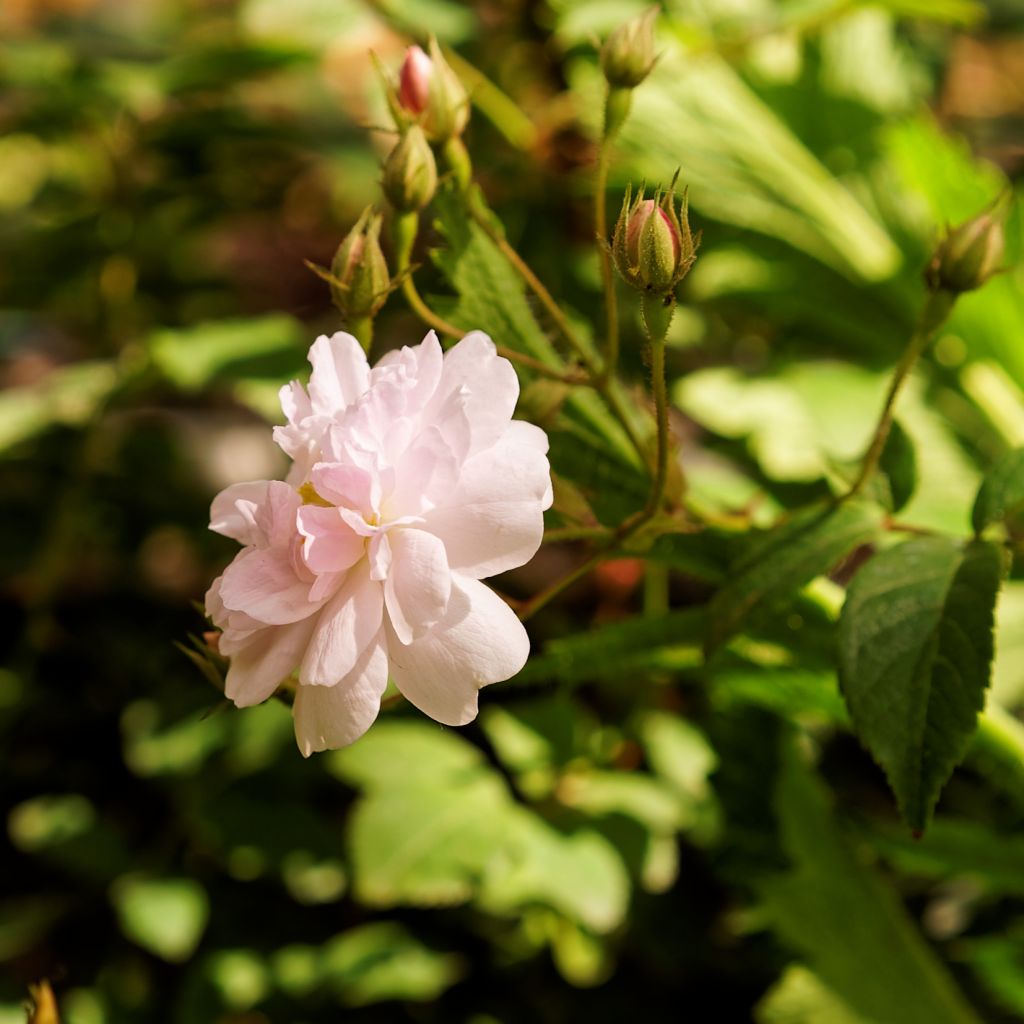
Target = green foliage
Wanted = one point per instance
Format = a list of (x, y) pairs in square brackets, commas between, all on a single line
[(882, 969), (167, 916), (782, 560), (915, 648), (1001, 496)]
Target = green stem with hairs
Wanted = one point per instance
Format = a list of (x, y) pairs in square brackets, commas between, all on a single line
[(936, 309)]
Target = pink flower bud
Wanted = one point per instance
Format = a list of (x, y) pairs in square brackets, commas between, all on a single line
[(638, 222), (414, 80)]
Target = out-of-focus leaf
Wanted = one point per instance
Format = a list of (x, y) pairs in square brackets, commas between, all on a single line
[(65, 397), (193, 356), (998, 963), (240, 976), (1001, 495), (663, 641), (167, 916), (955, 848), (578, 874), (383, 960), (1008, 668), (155, 748), (915, 650), (799, 997), (219, 67), (784, 559), (899, 465), (882, 962)]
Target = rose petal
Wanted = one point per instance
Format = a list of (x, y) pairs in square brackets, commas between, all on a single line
[(232, 512), (419, 583), (270, 656), (340, 373), (328, 717), (330, 545), (345, 484), (344, 629), (262, 583), (485, 383), (494, 518), (479, 641)]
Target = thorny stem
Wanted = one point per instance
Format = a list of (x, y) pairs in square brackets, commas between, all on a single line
[(936, 309)]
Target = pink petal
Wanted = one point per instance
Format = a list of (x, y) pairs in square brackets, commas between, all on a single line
[(232, 512), (328, 717), (340, 373), (479, 641), (262, 583), (494, 518), (330, 544), (344, 484), (258, 667), (418, 585), (275, 516), (487, 384), (344, 629)]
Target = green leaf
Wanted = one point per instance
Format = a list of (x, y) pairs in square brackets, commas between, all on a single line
[(383, 960), (1001, 495), (784, 559), (899, 464), (167, 916), (193, 356), (658, 642), (799, 997), (915, 651), (845, 920)]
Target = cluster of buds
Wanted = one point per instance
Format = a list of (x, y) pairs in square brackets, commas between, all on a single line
[(969, 254), (430, 94), (653, 247), (627, 55), (359, 277)]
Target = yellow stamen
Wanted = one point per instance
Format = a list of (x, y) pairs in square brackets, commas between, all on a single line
[(307, 492)]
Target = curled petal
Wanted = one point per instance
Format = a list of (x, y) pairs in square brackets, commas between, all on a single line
[(269, 656), (344, 629), (262, 583), (233, 512), (479, 641), (340, 373), (328, 717), (483, 383), (330, 544), (418, 584)]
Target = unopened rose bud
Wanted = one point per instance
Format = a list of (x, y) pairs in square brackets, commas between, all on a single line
[(969, 255), (431, 92), (628, 53), (410, 172), (653, 246), (359, 273), (414, 80)]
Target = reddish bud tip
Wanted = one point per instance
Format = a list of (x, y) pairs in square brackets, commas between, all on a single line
[(414, 80)]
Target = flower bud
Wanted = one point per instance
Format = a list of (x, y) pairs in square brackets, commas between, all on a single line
[(431, 92), (969, 254), (653, 247), (410, 172), (628, 53), (359, 273)]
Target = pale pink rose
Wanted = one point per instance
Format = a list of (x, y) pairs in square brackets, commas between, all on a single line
[(411, 482)]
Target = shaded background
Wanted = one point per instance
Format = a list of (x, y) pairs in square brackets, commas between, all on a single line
[(605, 833)]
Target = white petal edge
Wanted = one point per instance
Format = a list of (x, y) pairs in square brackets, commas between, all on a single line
[(328, 717), (479, 641)]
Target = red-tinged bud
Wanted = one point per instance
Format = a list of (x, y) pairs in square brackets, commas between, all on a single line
[(414, 80), (410, 172), (653, 246), (969, 254), (628, 53), (359, 276), (431, 92)]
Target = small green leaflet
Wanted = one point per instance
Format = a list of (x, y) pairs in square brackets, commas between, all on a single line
[(786, 558), (915, 653), (1001, 495)]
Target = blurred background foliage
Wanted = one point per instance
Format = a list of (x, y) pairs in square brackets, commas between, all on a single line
[(626, 831)]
